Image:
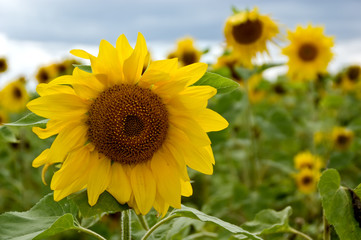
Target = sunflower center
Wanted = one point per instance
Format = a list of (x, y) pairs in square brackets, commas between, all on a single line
[(353, 73), (2, 64), (127, 123), (307, 52), (307, 180), (188, 58), (43, 76), (342, 140), (247, 32), (17, 93)]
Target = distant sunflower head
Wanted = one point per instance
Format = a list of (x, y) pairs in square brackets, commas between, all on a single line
[(14, 96), (309, 53), (3, 65), (307, 180), (341, 137), (349, 79), (230, 62), (130, 133), (186, 52), (248, 32), (307, 160), (47, 73)]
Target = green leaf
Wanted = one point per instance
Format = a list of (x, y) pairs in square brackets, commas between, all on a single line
[(282, 123), (7, 135), (29, 120), (269, 221), (85, 68), (45, 219), (337, 204), (222, 84), (105, 204), (195, 214)]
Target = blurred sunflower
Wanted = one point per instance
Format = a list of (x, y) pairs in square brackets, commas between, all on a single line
[(248, 32), (46, 73), (13, 97), (186, 52), (341, 137), (125, 132), (229, 61), (307, 180), (349, 79), (319, 137), (307, 160), (3, 65), (309, 53)]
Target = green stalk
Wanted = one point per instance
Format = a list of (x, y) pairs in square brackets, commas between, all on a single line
[(158, 224), (89, 232), (126, 225), (326, 228), (143, 222), (292, 230)]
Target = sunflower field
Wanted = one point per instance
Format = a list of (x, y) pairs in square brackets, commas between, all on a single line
[(123, 146)]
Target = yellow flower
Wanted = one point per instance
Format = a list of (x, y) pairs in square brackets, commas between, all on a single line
[(3, 65), (341, 137), (307, 180), (47, 73), (229, 61), (307, 160), (3, 117), (319, 137), (186, 52), (349, 80), (248, 32), (255, 94), (14, 96), (125, 132), (309, 53)]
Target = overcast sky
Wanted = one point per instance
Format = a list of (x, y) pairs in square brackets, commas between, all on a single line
[(42, 29)]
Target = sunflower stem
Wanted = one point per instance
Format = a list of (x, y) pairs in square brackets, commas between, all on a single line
[(326, 228), (143, 222), (90, 232), (158, 224), (292, 230), (126, 225)]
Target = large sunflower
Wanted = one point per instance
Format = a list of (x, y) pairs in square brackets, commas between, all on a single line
[(248, 32), (125, 132), (14, 96), (309, 53)]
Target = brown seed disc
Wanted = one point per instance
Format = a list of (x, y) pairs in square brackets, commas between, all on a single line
[(188, 57), (306, 180), (17, 93), (247, 32), (127, 123), (353, 73), (307, 52)]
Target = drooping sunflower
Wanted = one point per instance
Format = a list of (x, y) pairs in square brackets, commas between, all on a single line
[(3, 64), (229, 61), (186, 52), (341, 137), (248, 33), (125, 132), (13, 97), (307, 180), (307, 160), (309, 53)]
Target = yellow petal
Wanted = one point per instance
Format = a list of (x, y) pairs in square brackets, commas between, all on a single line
[(167, 177), (199, 159), (52, 127), (160, 205), (119, 185), (47, 89), (59, 106), (99, 177), (74, 166), (187, 189), (192, 129), (80, 53), (133, 66), (45, 168), (166, 66), (190, 73), (71, 137), (144, 187), (41, 159), (76, 186), (124, 49), (211, 120)]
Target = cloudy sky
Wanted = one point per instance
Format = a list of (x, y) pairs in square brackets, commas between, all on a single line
[(34, 32)]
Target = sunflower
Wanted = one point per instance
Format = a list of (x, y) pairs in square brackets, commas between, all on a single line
[(186, 52), (248, 32), (307, 180), (125, 132), (341, 137), (307, 160), (309, 53), (229, 61), (14, 96), (349, 79), (3, 65), (47, 73)]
